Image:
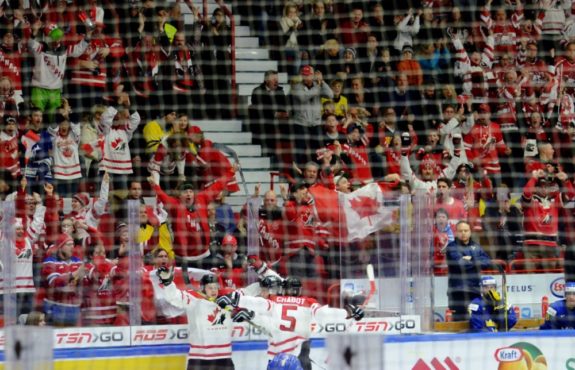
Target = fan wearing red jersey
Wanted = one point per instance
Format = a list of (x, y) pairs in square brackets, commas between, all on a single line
[(288, 317)]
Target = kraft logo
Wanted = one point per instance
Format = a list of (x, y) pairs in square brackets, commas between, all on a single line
[(557, 286), (435, 364), (508, 354)]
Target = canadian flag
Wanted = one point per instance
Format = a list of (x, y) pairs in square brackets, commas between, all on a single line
[(366, 211)]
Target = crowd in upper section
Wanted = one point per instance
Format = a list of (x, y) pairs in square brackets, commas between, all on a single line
[(472, 103)]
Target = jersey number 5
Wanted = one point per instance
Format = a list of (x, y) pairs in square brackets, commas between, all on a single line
[(286, 317)]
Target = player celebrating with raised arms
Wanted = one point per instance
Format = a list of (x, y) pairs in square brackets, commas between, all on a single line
[(210, 326), (287, 317)]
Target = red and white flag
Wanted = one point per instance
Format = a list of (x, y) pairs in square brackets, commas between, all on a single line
[(366, 211)]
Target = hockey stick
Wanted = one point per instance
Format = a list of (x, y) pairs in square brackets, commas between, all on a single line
[(372, 287), (504, 288)]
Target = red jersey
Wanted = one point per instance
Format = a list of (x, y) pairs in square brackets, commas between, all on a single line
[(9, 154), (191, 229), (541, 214), (485, 143), (215, 165), (98, 303), (61, 288)]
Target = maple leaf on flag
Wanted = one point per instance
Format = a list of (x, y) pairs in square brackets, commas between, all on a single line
[(364, 206)]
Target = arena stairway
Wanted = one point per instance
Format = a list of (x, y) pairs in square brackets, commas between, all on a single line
[(256, 168), (252, 60)]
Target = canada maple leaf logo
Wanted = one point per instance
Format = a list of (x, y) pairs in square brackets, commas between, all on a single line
[(212, 317), (364, 206), (118, 144)]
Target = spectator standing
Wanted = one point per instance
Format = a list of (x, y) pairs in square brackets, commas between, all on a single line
[(543, 198), (66, 167), (63, 274), (268, 113), (453, 206), (156, 130), (91, 143), (216, 62), (10, 150), (50, 66), (306, 112), (118, 126), (291, 25), (465, 259), (37, 144)]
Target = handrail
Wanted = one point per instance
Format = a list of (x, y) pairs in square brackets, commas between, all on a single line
[(515, 264), (496, 271)]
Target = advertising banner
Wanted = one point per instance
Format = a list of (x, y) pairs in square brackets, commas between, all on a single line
[(466, 352)]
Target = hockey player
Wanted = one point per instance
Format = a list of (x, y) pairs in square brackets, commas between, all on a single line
[(288, 317), (487, 313), (210, 326), (561, 314)]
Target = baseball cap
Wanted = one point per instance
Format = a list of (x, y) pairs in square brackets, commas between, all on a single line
[(306, 70), (570, 287)]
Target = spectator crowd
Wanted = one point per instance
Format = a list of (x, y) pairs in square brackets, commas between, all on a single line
[(474, 105)]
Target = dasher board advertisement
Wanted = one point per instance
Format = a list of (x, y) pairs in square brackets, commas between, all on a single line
[(510, 351)]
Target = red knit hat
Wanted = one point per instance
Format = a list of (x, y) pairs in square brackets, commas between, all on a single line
[(230, 239), (194, 130), (63, 239), (83, 198)]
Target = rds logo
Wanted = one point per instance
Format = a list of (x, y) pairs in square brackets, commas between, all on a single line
[(520, 356), (557, 286)]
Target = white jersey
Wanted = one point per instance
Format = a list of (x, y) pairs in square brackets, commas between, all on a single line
[(288, 320), (23, 258), (210, 327), (66, 153), (116, 155)]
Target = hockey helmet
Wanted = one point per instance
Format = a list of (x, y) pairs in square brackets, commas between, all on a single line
[(570, 287), (272, 283), (292, 286), (488, 281), (284, 361)]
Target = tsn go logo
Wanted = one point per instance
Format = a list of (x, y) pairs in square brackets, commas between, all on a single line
[(366, 326)]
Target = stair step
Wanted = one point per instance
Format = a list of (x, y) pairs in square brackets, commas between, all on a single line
[(247, 150), (256, 65), (254, 176), (258, 77), (251, 54), (230, 137), (218, 125), (255, 163), (247, 42), (242, 31)]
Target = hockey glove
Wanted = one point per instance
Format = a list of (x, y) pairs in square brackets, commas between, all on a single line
[(492, 298), (231, 299), (354, 312), (165, 275), (242, 315), (257, 264)]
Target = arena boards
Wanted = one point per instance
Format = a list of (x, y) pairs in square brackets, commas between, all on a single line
[(165, 347)]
